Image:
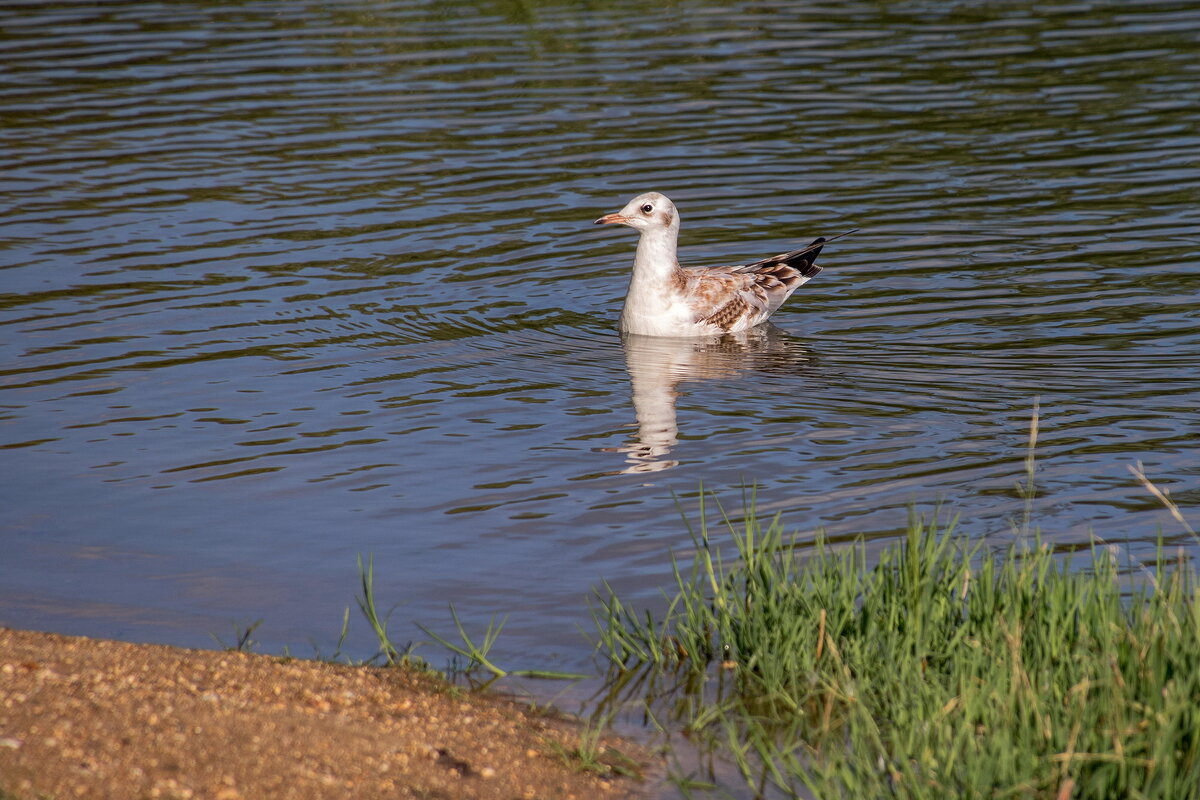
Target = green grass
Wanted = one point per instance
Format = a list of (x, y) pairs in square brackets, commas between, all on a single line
[(937, 670), (470, 656), (388, 650)]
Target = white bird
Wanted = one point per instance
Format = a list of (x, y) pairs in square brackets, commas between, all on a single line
[(666, 300)]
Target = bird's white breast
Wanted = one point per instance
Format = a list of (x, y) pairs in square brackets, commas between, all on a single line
[(665, 314)]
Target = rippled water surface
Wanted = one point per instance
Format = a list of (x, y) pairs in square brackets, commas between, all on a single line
[(288, 282)]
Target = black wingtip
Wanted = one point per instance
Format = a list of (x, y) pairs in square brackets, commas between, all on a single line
[(804, 261), (801, 260)]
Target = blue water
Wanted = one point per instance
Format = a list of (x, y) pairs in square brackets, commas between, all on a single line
[(284, 284)]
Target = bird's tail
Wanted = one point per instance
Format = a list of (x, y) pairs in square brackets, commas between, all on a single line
[(802, 260)]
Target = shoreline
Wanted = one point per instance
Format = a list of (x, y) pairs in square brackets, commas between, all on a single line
[(107, 719)]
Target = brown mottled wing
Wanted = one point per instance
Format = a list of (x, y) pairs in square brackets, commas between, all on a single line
[(727, 299), (748, 294)]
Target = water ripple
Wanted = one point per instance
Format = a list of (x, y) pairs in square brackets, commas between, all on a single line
[(285, 283)]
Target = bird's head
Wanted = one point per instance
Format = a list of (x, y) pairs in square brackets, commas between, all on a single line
[(646, 212)]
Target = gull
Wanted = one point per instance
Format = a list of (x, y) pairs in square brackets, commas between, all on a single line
[(666, 300)]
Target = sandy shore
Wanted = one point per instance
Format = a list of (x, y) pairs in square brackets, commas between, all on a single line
[(101, 719)]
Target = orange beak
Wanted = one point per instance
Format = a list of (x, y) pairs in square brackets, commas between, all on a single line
[(611, 219)]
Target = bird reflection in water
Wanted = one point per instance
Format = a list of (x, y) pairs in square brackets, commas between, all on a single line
[(657, 365)]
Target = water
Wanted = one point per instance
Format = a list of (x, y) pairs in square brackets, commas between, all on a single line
[(286, 283)]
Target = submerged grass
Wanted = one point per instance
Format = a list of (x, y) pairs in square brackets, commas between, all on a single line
[(593, 754), (939, 671)]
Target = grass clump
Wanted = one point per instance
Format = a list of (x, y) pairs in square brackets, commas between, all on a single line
[(242, 642), (471, 655), (475, 655), (391, 654), (593, 754), (940, 671)]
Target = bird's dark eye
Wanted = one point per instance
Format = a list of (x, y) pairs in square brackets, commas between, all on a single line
[(646, 209)]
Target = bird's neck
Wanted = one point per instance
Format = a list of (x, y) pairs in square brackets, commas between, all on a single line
[(655, 263)]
